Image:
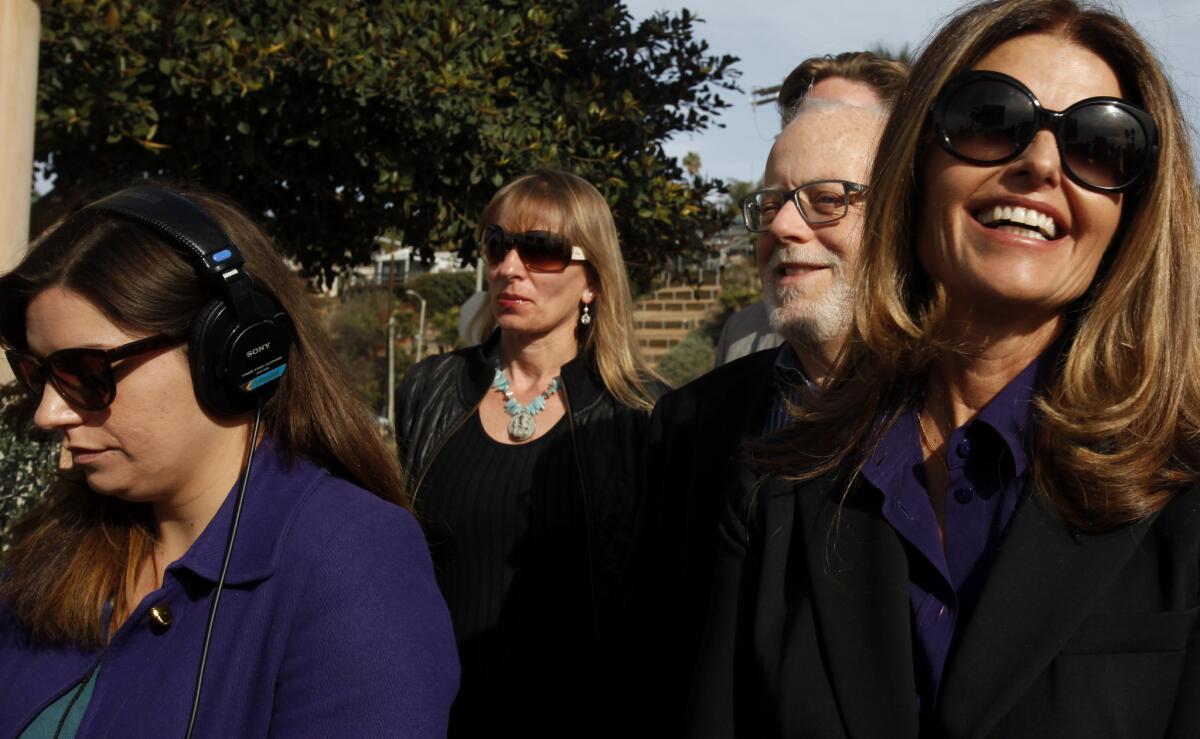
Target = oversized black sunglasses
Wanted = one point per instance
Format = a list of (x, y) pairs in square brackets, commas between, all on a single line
[(83, 377), (540, 251), (1104, 143)]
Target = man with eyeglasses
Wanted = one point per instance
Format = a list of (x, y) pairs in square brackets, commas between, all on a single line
[(853, 77), (808, 223)]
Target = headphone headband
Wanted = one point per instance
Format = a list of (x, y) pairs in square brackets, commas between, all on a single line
[(181, 221)]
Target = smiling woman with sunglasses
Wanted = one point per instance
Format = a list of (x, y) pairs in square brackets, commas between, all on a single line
[(330, 620), (523, 462), (988, 522)]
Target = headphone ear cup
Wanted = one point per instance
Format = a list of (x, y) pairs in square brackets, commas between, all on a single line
[(233, 365), (211, 330)]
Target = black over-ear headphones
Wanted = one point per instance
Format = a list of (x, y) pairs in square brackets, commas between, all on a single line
[(238, 348)]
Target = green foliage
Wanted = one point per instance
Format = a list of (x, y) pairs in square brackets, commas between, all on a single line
[(442, 331), (904, 54), (731, 201), (689, 358), (740, 284), (27, 458), (338, 120), (358, 326), (443, 290)]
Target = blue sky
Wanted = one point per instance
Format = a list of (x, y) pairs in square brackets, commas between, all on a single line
[(772, 37)]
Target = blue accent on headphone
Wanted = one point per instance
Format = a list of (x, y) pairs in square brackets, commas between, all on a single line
[(222, 255), (264, 379)]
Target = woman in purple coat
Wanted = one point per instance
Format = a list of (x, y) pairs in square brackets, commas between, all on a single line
[(219, 459)]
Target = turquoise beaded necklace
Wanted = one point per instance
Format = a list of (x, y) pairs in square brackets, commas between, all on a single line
[(520, 422)]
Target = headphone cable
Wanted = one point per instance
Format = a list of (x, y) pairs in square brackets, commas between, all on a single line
[(212, 611)]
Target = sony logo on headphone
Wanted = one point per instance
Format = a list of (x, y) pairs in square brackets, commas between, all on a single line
[(258, 349)]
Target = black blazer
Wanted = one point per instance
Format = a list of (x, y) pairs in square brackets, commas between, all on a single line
[(694, 460), (1075, 635)]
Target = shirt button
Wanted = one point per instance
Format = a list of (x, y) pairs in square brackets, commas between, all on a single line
[(161, 617), (964, 495), (964, 448)]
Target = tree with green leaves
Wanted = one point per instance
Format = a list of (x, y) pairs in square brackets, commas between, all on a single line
[(28, 457), (335, 120), (735, 190)]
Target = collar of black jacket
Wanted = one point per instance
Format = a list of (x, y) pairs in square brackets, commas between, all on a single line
[(579, 376)]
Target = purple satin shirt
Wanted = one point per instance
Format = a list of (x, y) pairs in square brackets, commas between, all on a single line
[(331, 624), (987, 465)]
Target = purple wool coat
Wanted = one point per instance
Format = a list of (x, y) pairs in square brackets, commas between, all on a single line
[(330, 624)]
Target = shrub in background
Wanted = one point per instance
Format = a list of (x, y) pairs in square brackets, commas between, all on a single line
[(689, 358), (28, 458)]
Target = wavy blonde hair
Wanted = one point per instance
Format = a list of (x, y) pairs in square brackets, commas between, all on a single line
[(1116, 428), (567, 204)]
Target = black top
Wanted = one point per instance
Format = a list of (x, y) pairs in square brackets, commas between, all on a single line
[(599, 544), (506, 533)]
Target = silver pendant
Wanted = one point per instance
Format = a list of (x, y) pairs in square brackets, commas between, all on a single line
[(520, 427)]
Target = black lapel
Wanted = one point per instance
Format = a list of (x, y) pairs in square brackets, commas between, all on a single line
[(736, 415), (751, 396), (859, 575), (1046, 579)]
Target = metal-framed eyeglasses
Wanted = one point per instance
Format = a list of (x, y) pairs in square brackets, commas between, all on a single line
[(819, 202)]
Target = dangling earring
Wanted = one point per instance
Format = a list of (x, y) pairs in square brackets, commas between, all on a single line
[(586, 318)]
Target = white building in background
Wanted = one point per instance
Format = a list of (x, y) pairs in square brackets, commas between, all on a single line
[(393, 258)]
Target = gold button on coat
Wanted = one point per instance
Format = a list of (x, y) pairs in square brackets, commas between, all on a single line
[(161, 615)]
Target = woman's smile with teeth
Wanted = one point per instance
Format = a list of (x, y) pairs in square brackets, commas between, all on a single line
[(1020, 221)]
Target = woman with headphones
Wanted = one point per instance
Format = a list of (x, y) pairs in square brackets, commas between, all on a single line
[(188, 418)]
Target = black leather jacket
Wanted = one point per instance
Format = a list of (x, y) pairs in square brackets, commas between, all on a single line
[(607, 439)]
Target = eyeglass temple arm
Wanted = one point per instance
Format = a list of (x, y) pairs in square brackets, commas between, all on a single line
[(148, 344)]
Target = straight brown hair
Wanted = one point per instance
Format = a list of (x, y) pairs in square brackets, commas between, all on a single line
[(78, 552)]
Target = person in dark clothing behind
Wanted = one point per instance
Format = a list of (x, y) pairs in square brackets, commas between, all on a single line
[(986, 524), (808, 222), (523, 457)]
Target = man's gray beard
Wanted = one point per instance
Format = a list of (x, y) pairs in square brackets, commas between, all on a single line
[(799, 320)]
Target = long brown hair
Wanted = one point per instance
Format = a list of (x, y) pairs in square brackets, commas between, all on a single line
[(78, 551), (570, 205), (1115, 433)]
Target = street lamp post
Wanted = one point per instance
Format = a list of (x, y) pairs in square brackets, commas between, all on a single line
[(420, 324), (391, 339), (391, 384)]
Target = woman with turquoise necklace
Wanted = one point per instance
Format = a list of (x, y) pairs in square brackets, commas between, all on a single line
[(522, 457)]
